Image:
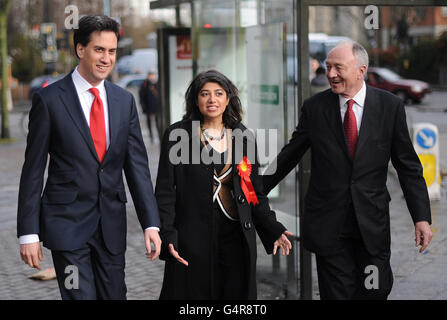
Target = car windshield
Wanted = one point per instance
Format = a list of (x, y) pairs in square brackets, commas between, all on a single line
[(388, 75)]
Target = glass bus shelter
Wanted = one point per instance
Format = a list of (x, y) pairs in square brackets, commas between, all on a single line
[(266, 48)]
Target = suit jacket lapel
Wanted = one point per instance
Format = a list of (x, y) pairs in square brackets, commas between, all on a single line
[(235, 162), (70, 99), (195, 144), (370, 114), (114, 114), (332, 113), (241, 147)]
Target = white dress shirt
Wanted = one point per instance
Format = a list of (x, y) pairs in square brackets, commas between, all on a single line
[(86, 98), (358, 106)]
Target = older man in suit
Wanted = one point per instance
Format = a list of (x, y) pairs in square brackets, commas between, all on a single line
[(91, 131), (353, 130)]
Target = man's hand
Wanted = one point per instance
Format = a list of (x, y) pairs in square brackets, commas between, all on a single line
[(283, 243), (151, 236), (31, 254), (423, 234)]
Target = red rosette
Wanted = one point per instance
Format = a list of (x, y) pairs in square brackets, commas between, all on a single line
[(244, 170)]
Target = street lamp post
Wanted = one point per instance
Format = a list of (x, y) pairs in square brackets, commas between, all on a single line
[(106, 4)]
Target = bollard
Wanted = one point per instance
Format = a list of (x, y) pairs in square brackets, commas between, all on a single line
[(426, 144)]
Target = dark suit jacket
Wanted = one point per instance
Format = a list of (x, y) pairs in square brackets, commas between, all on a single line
[(336, 179), (79, 190), (184, 193)]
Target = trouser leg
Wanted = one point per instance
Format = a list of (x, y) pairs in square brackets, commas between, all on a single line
[(232, 279), (75, 274), (354, 274), (149, 126), (90, 272), (108, 270)]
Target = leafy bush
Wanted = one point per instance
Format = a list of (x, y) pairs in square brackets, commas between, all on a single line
[(424, 61), (26, 58), (442, 49)]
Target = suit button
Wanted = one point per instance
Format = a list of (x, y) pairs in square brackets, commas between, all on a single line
[(241, 199), (247, 225)]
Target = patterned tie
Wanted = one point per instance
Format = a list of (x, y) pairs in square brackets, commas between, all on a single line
[(350, 126), (98, 125)]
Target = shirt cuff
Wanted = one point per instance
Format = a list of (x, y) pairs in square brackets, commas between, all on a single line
[(153, 228), (29, 238)]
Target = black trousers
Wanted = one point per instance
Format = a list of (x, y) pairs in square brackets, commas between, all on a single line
[(230, 272), (90, 272), (153, 122), (352, 273)]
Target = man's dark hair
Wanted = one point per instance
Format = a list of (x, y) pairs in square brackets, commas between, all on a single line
[(320, 70), (233, 112), (91, 23)]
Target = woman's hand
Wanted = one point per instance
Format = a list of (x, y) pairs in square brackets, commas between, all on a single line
[(284, 243), (175, 254)]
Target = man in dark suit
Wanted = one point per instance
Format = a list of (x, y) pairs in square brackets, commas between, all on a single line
[(91, 131), (353, 130)]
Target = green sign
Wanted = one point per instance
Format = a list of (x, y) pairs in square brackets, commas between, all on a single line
[(265, 94)]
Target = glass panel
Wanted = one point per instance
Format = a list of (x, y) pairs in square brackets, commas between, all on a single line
[(252, 43)]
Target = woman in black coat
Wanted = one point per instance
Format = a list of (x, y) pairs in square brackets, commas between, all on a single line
[(210, 198)]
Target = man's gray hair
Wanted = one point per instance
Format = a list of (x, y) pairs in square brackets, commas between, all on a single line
[(358, 51)]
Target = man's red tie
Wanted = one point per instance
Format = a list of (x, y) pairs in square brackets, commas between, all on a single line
[(350, 126), (98, 125)]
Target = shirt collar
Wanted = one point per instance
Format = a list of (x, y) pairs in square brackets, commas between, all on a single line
[(359, 98), (83, 85)]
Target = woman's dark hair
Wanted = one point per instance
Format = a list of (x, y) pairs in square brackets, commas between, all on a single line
[(91, 23), (233, 112)]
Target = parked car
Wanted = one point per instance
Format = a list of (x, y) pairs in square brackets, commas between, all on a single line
[(43, 81), (406, 89), (123, 65), (132, 83), (140, 61), (131, 80)]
